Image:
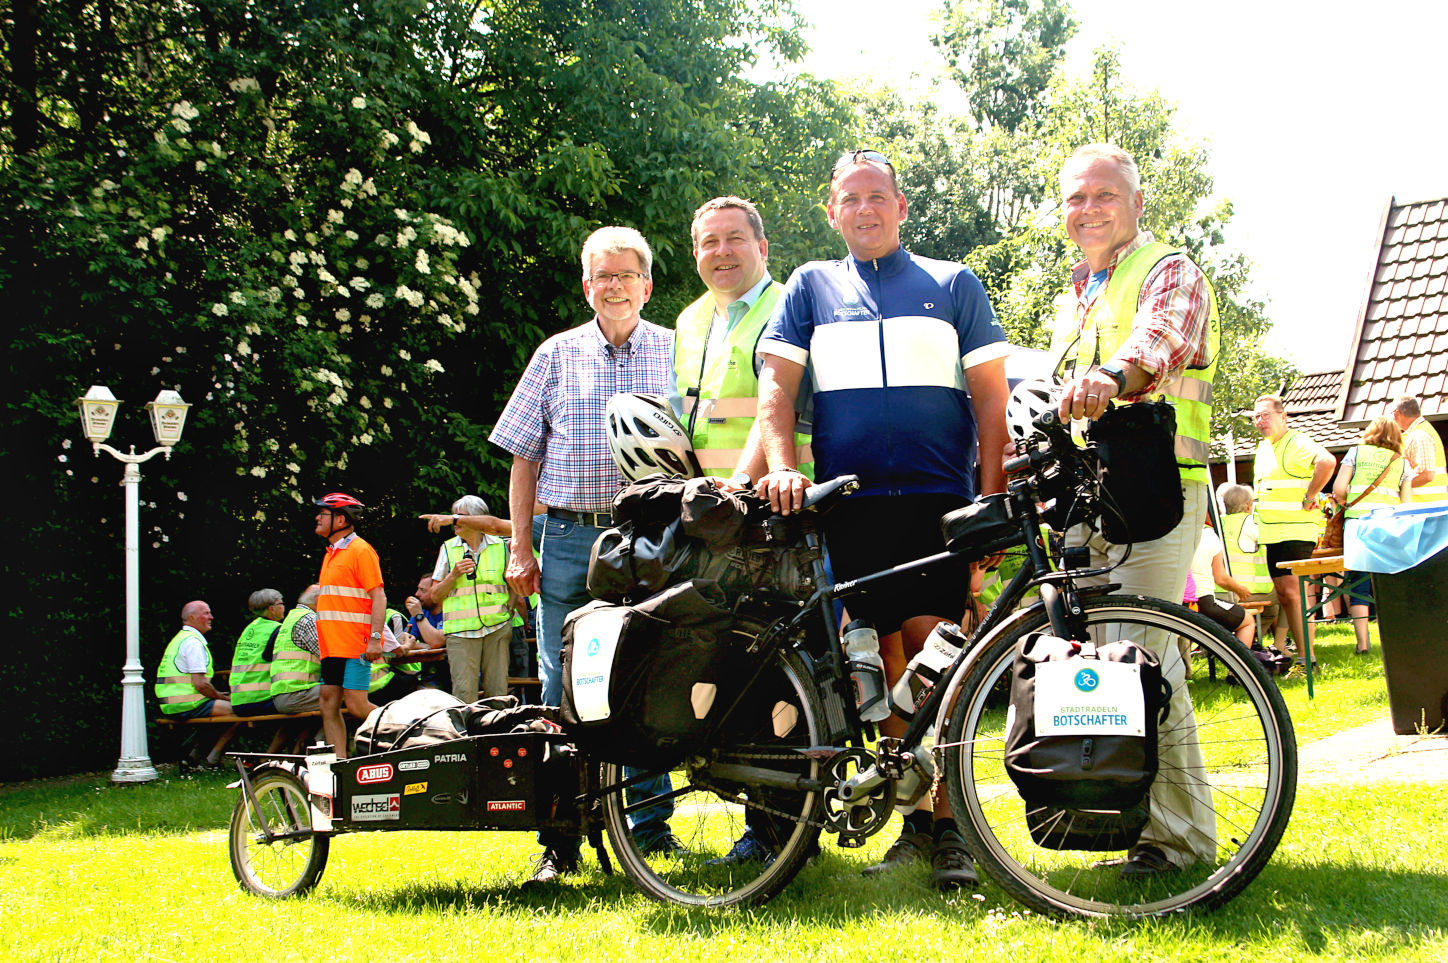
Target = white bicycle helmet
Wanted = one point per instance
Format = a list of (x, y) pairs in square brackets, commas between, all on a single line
[(1029, 400), (645, 438)]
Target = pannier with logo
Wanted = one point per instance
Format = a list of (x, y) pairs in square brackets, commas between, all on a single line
[(1081, 740), (640, 681)]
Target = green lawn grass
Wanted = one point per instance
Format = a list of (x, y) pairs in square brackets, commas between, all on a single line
[(89, 871)]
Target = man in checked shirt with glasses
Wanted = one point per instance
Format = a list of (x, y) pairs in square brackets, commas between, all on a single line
[(554, 428), (1139, 320)]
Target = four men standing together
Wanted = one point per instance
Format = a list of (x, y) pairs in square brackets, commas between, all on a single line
[(900, 359)]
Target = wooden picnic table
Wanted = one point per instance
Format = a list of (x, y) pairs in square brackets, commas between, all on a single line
[(1312, 573)]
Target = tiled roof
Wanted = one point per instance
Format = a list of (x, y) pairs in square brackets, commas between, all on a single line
[(1401, 345), (1314, 392), (1311, 406)]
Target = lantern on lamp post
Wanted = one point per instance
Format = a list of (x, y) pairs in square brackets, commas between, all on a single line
[(168, 418)]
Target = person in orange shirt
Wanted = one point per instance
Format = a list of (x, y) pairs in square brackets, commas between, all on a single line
[(350, 613)]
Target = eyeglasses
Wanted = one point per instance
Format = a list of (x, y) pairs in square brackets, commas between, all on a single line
[(627, 277), (850, 157)]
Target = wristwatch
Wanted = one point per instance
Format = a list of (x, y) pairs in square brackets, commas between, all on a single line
[(740, 478), (375, 635), (1114, 371)]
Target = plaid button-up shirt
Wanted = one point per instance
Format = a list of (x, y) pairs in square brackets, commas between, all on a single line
[(556, 414), (1172, 317)]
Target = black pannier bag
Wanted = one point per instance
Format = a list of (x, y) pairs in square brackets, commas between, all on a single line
[(1085, 790), (1140, 482), (671, 530), (641, 682)]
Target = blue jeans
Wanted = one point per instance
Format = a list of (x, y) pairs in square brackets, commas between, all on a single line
[(566, 547)]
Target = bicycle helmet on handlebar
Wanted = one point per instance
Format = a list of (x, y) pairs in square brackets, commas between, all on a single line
[(1028, 401), (645, 438)]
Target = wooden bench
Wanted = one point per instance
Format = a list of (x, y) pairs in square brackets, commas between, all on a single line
[(308, 724)]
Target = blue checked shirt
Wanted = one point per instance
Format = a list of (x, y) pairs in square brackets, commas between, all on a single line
[(556, 414)]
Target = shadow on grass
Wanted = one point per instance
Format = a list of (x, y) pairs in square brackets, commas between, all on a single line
[(1315, 903), (587, 890)]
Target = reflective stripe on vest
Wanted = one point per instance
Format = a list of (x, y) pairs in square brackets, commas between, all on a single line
[(1106, 325), (250, 671), (1368, 464), (728, 390), (293, 668), (1436, 490), (381, 675), (1280, 515), (173, 687), (344, 608), (1249, 568), (481, 601)]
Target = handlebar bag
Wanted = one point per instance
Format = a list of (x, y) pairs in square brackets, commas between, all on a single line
[(640, 681), (1081, 740), (1141, 488)]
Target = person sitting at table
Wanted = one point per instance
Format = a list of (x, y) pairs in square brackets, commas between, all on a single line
[(1209, 566), (252, 655), (296, 667), (183, 680), (1371, 476)]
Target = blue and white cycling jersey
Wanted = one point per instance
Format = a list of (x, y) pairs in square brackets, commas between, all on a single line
[(886, 343)]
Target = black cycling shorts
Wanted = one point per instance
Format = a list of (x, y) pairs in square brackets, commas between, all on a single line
[(867, 533), (1294, 551)]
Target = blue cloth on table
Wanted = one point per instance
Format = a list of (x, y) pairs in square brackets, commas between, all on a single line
[(1395, 539)]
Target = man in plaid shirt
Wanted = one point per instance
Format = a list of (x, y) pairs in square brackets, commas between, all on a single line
[(1140, 321), (554, 428)]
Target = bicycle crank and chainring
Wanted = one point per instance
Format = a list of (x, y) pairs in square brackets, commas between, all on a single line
[(853, 811)]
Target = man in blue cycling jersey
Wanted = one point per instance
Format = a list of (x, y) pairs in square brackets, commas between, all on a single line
[(907, 363)]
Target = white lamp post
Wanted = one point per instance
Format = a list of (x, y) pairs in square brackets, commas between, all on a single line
[(168, 417)]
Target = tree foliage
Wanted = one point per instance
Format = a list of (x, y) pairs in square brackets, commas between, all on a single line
[(983, 182), (339, 228)]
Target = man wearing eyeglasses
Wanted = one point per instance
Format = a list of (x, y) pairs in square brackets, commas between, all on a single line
[(554, 428), (1139, 320), (907, 362)]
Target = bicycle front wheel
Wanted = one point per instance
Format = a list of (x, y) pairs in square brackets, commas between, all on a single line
[(716, 800), (1221, 799)]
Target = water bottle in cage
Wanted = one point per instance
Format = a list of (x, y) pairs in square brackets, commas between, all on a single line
[(867, 670)]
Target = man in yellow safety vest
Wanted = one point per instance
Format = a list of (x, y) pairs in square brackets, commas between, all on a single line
[(1139, 321), (1288, 473), (715, 367)]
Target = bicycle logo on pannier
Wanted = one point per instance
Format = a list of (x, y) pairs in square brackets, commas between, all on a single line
[(1087, 680)]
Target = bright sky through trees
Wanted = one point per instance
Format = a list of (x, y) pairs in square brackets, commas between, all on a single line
[(1275, 89)]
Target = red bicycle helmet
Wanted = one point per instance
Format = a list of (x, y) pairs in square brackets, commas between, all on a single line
[(341, 503)]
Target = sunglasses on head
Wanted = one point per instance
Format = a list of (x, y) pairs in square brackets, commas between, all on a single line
[(850, 157)]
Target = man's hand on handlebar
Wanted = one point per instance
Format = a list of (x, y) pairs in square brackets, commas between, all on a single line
[(1087, 396), (784, 488)]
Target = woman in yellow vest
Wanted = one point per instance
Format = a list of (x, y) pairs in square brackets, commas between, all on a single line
[(1378, 459)]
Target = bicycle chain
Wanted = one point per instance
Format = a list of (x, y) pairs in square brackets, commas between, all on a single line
[(759, 806)]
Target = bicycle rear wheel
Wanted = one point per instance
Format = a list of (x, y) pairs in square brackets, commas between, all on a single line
[(284, 867), (714, 806), (1241, 791)]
